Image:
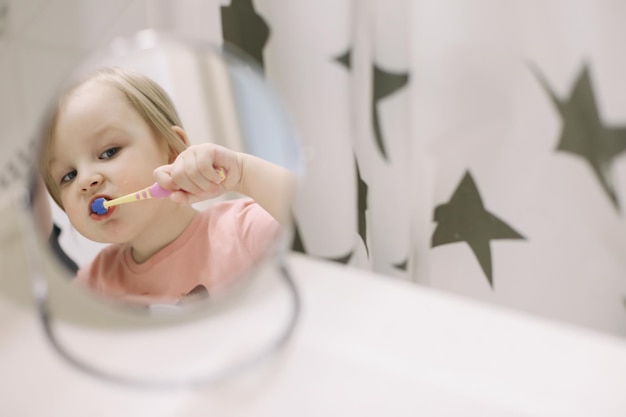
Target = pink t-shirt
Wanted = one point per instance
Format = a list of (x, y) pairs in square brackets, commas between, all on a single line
[(220, 243)]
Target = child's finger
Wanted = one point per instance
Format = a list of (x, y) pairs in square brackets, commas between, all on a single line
[(164, 178), (188, 175), (192, 173), (207, 157), (204, 167)]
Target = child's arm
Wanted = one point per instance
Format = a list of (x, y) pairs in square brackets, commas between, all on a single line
[(270, 185), (194, 177)]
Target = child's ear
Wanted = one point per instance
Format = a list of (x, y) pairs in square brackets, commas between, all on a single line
[(182, 135)]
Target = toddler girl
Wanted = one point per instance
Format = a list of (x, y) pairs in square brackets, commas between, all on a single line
[(116, 132)]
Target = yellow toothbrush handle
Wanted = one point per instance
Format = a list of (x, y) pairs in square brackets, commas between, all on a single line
[(136, 196)]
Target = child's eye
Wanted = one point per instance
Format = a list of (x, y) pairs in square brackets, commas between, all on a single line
[(109, 153), (68, 177)]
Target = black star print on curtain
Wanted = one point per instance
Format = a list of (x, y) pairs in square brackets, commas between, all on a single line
[(244, 27), (465, 219), (362, 188), (298, 244), (584, 135), (362, 191), (384, 84), (345, 59), (402, 265)]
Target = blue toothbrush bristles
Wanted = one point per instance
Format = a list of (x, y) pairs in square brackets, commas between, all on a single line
[(98, 206)]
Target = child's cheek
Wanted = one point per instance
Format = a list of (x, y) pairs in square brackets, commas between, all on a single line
[(71, 214), (71, 210), (67, 205)]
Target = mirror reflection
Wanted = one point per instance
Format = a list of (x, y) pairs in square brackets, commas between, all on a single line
[(168, 181)]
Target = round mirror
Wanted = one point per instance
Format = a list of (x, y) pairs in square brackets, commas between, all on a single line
[(162, 196)]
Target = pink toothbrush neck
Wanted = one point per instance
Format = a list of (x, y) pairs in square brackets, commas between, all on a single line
[(156, 191)]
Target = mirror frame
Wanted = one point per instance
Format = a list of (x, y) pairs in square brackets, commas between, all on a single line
[(56, 300)]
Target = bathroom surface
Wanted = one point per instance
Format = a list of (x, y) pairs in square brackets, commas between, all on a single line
[(365, 345)]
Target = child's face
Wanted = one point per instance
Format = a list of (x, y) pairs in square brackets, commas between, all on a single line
[(103, 148)]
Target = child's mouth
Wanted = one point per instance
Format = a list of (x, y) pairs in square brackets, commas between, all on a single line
[(101, 215)]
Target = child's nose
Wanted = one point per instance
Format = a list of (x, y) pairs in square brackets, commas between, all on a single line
[(89, 185), (91, 181)]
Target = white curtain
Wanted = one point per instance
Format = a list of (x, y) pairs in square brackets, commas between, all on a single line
[(474, 147), (347, 91), (302, 60), (519, 128)]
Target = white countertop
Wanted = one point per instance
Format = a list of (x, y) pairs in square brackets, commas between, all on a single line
[(365, 345)]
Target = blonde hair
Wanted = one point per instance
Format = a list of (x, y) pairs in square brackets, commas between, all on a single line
[(148, 98)]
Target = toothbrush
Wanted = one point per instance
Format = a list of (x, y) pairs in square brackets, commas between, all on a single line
[(100, 205)]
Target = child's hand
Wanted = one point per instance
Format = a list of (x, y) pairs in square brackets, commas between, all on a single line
[(197, 175)]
